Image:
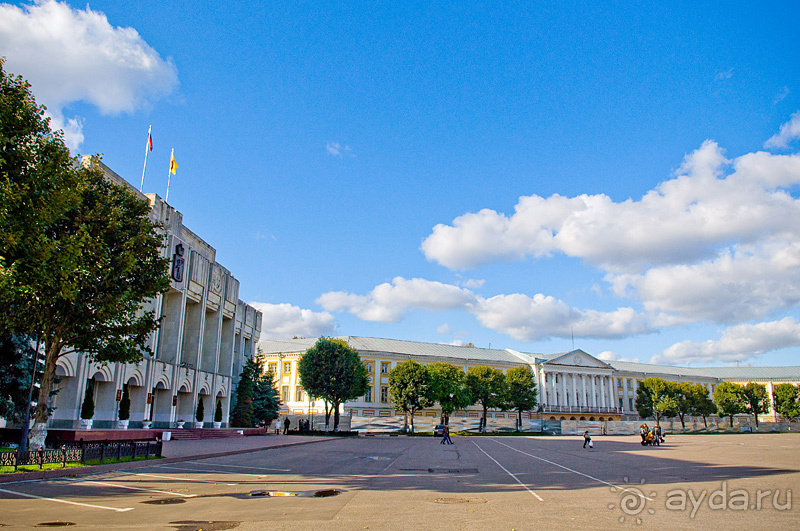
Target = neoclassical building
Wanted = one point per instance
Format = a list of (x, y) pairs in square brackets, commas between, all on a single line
[(206, 333), (572, 385)]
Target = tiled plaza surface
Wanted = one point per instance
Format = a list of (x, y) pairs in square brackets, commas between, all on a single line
[(691, 482)]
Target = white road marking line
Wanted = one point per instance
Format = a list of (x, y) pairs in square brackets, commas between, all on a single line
[(93, 482), (239, 466), (211, 471), (574, 471), (25, 495), (173, 478), (509, 473)]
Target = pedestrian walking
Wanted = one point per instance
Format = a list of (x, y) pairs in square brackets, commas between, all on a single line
[(587, 439), (286, 424)]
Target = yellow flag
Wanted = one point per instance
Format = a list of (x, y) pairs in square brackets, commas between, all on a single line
[(173, 166)]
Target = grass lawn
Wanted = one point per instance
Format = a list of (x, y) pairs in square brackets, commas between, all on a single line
[(52, 466)]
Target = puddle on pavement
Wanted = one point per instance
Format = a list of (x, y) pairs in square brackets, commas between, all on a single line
[(165, 501), (204, 525)]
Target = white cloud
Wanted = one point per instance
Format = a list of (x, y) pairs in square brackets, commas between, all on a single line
[(682, 220), (781, 95), (282, 321), (388, 302), (788, 132), (531, 318), (443, 329), (70, 55), (737, 343), (335, 149), (473, 283), (609, 356), (727, 74)]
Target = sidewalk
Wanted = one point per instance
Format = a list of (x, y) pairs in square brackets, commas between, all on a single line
[(177, 451)]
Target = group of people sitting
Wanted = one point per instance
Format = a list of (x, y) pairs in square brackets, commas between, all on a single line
[(652, 437)]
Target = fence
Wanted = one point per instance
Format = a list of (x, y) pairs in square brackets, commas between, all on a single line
[(81, 453)]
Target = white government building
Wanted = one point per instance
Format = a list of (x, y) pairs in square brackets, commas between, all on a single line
[(205, 335), (572, 385)]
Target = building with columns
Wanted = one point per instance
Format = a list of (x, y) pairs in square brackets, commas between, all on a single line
[(205, 335), (572, 385)]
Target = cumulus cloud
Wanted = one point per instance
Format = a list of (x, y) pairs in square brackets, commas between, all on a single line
[(517, 315), (737, 343), (282, 321), (682, 220), (788, 132), (70, 55), (609, 356), (389, 302)]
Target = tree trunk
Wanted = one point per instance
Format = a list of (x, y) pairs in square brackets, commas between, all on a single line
[(683, 423), (731, 421), (412, 421), (755, 416), (38, 432), (485, 409), (335, 417), (519, 419), (705, 423)]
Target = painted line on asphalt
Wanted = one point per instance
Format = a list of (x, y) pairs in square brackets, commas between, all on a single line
[(240, 466), (129, 487), (574, 471), (207, 470), (173, 478), (57, 500), (509, 473)]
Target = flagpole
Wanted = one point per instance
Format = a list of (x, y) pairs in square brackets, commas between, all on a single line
[(169, 173), (146, 149)]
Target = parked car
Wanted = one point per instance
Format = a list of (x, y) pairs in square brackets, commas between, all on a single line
[(438, 430)]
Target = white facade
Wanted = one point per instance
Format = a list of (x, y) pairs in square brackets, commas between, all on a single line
[(205, 334)]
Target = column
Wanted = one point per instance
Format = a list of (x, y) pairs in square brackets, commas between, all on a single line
[(594, 392), (562, 377), (603, 391), (585, 400), (612, 392)]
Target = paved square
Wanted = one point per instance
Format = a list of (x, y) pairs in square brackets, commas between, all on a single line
[(693, 481)]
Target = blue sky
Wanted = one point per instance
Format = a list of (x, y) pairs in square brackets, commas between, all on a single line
[(535, 175)]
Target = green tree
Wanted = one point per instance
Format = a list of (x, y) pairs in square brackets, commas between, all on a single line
[(218, 412), (80, 255), (448, 388), (200, 413), (125, 404), (655, 397), (756, 399), (730, 401), (487, 387), (333, 371), (16, 368), (87, 407), (257, 401), (700, 404), (266, 400), (521, 389), (409, 388), (787, 400)]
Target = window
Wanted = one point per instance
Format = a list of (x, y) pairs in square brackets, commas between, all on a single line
[(385, 367), (384, 394), (368, 395), (273, 368), (620, 403), (285, 393), (368, 365), (287, 367), (630, 404), (298, 393), (619, 383), (630, 383)]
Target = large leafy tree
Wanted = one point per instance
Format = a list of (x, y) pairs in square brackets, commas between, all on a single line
[(409, 388), (700, 404), (756, 399), (448, 388), (655, 397), (730, 401), (487, 387), (333, 371), (787, 400), (79, 255), (521, 390)]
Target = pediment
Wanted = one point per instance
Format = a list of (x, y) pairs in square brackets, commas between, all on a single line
[(578, 358)]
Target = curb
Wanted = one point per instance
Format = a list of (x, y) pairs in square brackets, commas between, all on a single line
[(99, 469)]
